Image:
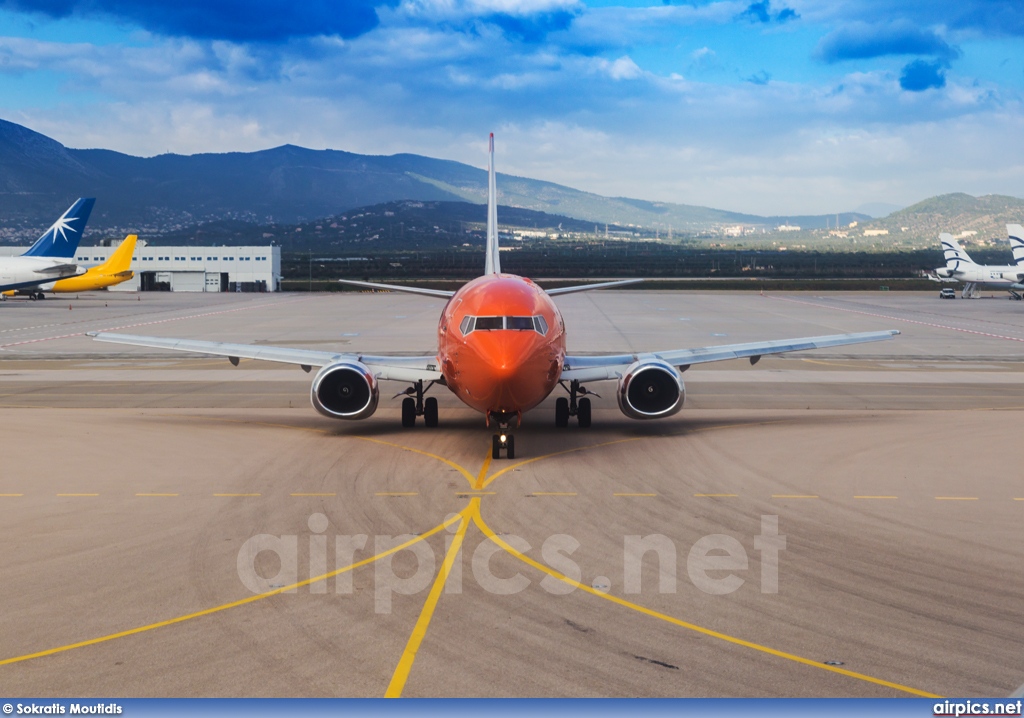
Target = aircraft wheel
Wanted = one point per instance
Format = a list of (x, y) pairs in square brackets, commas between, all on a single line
[(583, 413), (495, 447), (510, 447), (561, 412), (430, 412), (40, 295), (408, 412)]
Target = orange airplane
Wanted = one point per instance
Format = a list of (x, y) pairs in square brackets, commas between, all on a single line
[(501, 350)]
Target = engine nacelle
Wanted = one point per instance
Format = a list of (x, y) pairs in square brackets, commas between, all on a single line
[(650, 390), (347, 390)]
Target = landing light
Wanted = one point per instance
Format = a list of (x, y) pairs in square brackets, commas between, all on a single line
[(503, 438)]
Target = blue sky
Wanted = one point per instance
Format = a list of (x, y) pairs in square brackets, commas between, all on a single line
[(779, 106)]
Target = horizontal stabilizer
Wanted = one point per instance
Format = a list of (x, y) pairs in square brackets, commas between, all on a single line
[(60, 269), (400, 288), (588, 287)]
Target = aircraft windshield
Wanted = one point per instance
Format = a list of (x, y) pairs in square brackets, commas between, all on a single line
[(471, 324)]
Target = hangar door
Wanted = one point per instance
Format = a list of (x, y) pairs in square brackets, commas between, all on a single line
[(188, 281)]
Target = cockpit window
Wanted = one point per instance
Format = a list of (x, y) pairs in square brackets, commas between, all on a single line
[(489, 323), (536, 323), (519, 323)]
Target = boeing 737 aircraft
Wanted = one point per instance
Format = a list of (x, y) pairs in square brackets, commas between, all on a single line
[(960, 267), (51, 257), (501, 350)]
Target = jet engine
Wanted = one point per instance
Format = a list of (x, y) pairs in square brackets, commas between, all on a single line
[(347, 390), (650, 389)]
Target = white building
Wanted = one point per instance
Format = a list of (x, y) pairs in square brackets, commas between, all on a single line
[(189, 269)]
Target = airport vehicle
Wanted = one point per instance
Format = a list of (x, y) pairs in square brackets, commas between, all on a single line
[(502, 351), (52, 256), (947, 293), (114, 271)]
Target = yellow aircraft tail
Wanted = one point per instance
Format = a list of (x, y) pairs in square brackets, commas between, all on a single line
[(121, 259)]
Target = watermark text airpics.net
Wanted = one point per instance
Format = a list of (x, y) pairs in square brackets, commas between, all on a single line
[(717, 564)]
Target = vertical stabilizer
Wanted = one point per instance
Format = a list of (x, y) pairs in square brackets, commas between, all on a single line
[(955, 255), (493, 265), (62, 238), (1016, 233)]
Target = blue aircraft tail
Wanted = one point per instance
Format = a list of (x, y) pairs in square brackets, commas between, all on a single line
[(63, 236)]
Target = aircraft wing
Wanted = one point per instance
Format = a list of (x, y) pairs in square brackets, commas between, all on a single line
[(397, 368), (613, 366)]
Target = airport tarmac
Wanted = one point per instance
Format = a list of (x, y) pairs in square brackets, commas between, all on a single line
[(136, 483)]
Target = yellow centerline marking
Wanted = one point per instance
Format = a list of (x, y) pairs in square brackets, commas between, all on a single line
[(634, 494), (233, 604), (467, 494), (314, 494), (461, 470), (20, 495), (228, 495), (552, 493), (956, 498), (396, 493), (478, 520), (156, 494), (419, 631), (716, 496), (876, 497), (794, 496), (77, 494), (10, 495)]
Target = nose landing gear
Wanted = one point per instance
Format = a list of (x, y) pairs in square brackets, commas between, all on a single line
[(503, 441)]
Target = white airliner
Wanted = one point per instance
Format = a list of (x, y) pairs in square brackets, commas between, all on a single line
[(1016, 234), (501, 351), (52, 256), (960, 267)]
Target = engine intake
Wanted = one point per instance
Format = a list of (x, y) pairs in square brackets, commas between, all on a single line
[(650, 390), (345, 391)]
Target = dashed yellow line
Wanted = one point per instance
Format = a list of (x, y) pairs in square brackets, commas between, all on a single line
[(156, 494), (716, 496), (478, 520), (1021, 499), (876, 497), (10, 496), (794, 496), (638, 495), (314, 494), (956, 498), (419, 631), (235, 495)]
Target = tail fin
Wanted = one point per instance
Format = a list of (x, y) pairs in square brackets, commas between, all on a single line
[(493, 264), (1016, 233), (121, 259), (63, 236), (954, 253)]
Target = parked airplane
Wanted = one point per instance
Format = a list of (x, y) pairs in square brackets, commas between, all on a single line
[(960, 267), (114, 271), (51, 257), (1016, 234), (501, 350)]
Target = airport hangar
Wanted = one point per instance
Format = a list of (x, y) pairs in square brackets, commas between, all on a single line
[(188, 269)]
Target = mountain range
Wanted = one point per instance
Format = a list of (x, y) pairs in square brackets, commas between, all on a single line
[(289, 185)]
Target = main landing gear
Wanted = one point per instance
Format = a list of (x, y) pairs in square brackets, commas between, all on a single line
[(411, 408), (564, 408)]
